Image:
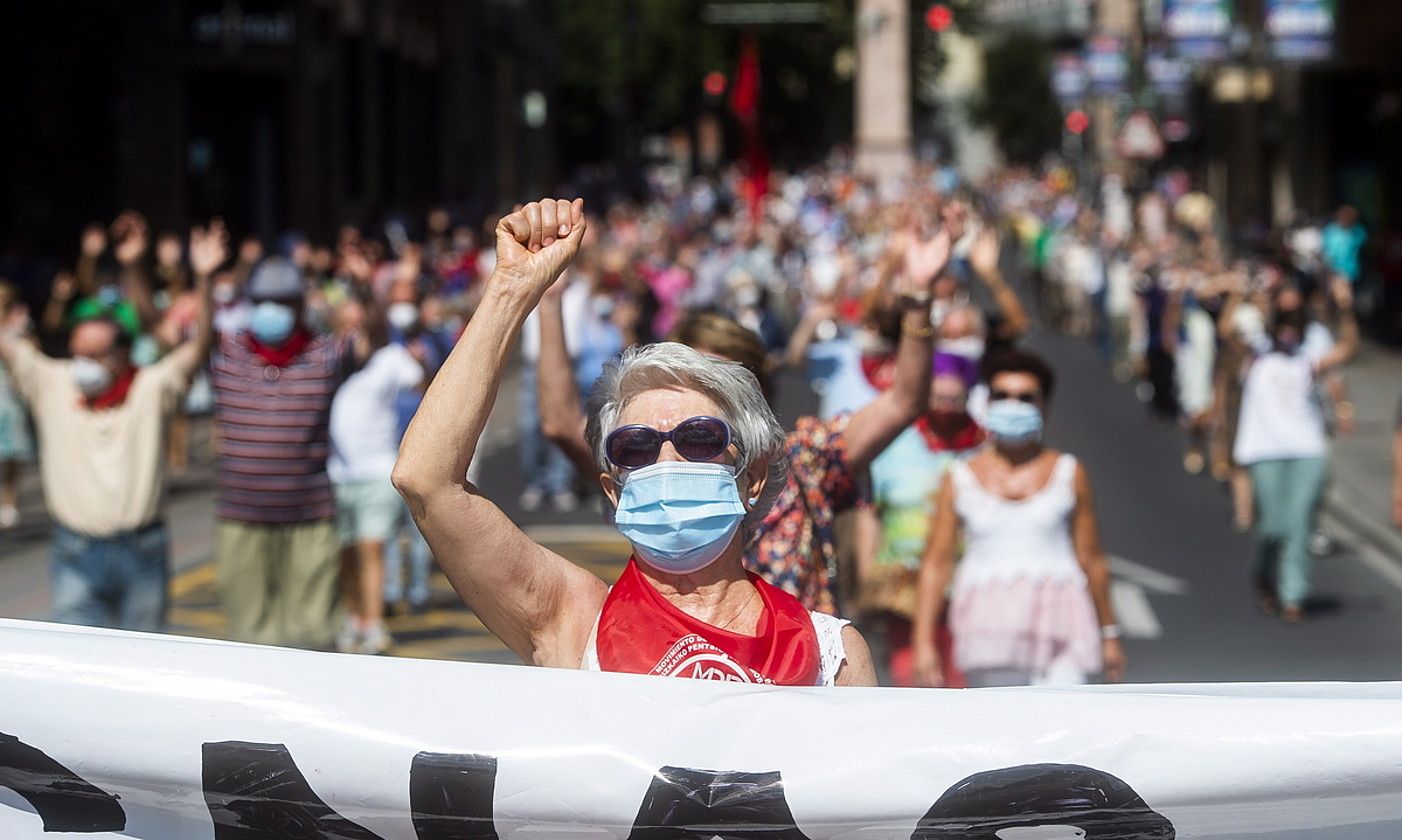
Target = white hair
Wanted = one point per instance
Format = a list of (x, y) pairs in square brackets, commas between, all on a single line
[(733, 389)]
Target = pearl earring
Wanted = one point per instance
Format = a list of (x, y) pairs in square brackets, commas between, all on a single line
[(754, 500)]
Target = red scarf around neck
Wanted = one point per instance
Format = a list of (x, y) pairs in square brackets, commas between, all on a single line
[(281, 356), (116, 393), (969, 436), (879, 370), (641, 632)]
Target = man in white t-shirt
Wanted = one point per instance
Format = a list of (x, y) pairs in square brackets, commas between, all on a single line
[(364, 446)]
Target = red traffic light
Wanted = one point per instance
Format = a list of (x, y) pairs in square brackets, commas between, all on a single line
[(1077, 122), (939, 18), (714, 83)]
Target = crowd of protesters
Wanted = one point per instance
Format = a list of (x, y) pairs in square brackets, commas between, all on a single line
[(921, 502), (1245, 352)]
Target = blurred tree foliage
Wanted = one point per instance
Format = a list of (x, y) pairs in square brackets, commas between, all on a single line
[(1017, 104), (632, 68)]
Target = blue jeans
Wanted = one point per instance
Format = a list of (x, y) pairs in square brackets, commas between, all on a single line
[(1287, 492), (543, 464), (117, 581), (420, 563)]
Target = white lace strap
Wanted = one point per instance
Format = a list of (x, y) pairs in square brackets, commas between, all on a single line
[(831, 652), (1066, 470)]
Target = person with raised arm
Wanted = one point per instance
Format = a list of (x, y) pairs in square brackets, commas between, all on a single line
[(102, 425), (793, 546), (686, 448)]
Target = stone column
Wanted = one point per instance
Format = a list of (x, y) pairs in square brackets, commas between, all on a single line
[(883, 89)]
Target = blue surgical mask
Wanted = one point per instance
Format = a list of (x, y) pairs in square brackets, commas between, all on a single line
[(680, 515), (271, 323), (1013, 421)]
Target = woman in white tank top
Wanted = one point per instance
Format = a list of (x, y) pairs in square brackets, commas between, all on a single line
[(1029, 603)]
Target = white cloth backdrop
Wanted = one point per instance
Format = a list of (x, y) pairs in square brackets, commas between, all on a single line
[(130, 735)]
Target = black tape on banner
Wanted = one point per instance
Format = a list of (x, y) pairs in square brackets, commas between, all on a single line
[(686, 804), (256, 792), (450, 796), (64, 800), (1089, 803)]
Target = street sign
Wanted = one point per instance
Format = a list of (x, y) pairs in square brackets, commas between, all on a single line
[(1069, 78), (1301, 30), (1199, 29), (1107, 66), (1140, 138), (1168, 74)]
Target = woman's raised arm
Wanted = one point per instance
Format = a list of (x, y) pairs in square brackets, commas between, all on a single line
[(537, 602)]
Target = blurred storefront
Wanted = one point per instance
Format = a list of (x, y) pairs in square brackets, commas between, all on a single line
[(277, 114)]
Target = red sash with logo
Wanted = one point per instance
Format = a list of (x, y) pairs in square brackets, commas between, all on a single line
[(641, 632)]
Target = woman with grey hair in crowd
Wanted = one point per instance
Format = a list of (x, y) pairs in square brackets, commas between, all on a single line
[(690, 455)]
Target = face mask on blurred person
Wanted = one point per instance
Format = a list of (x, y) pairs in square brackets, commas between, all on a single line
[(1013, 422), (680, 515), (92, 377), (271, 323), (970, 347), (403, 316)]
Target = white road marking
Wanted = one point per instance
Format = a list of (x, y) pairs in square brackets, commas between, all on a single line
[(1150, 578), (1367, 554), (1136, 618)]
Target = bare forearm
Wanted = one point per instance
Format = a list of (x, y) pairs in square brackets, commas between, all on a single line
[(443, 435), (931, 586), (1014, 321), (557, 394), (873, 428), (1098, 578)]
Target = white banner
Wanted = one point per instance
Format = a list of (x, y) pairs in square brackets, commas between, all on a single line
[(127, 735)]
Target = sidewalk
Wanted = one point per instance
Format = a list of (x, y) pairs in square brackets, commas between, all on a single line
[(1360, 491)]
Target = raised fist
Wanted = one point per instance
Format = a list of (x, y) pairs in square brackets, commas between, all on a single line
[(131, 235), (536, 242), (209, 247), (94, 241)]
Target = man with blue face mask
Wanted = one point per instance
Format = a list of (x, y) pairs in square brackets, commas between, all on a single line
[(275, 540)]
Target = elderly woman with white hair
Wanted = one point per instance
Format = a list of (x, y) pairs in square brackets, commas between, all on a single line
[(691, 456)]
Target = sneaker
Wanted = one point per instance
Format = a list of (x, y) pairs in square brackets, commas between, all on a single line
[(531, 500), (1321, 544), (376, 640), (349, 639), (9, 517), (565, 502)]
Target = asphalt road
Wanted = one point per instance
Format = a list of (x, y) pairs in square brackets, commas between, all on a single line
[(1181, 572)]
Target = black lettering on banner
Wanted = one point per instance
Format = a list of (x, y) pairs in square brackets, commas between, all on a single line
[(1084, 801), (64, 800), (450, 796), (256, 792), (686, 804)]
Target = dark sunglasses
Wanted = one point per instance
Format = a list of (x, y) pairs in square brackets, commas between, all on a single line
[(1022, 396), (695, 439)]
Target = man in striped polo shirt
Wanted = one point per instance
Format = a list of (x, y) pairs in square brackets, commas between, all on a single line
[(275, 537)]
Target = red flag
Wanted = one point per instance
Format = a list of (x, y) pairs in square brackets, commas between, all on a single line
[(744, 104)]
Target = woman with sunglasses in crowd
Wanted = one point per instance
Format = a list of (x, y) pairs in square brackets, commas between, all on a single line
[(691, 456), (1029, 603)]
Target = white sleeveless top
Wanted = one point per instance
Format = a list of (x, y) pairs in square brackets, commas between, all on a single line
[(1026, 538), (831, 653)]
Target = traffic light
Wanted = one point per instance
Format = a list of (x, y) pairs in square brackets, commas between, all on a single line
[(939, 18), (1077, 122), (714, 83)]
